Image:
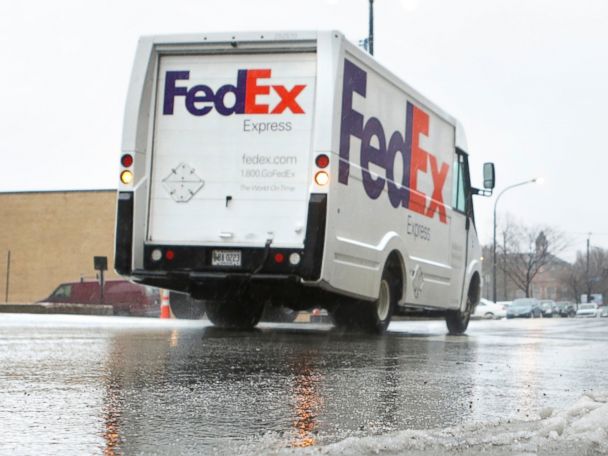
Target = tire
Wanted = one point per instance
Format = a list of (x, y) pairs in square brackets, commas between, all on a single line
[(237, 313), (279, 314), (489, 316), (185, 307), (369, 316), (457, 321)]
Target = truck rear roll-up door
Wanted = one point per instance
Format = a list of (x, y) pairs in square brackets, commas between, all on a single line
[(231, 149)]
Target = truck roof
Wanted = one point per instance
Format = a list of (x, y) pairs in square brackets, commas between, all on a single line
[(305, 40)]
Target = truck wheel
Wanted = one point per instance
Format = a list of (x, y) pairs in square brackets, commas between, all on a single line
[(279, 314), (236, 313), (457, 321), (185, 307), (369, 316)]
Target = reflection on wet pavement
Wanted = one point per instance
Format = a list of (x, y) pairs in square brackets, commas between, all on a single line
[(133, 386), (111, 416), (307, 403)]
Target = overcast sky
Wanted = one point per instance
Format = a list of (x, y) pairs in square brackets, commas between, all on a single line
[(527, 78)]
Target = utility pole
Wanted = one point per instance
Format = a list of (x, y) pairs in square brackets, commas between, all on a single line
[(587, 273), (504, 265), (494, 236)]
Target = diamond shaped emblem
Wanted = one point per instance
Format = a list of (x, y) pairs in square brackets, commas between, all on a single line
[(417, 281), (183, 183)]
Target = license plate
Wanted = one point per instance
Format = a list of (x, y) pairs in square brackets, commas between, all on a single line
[(226, 258)]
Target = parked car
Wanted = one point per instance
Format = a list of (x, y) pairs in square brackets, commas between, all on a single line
[(489, 310), (524, 308), (566, 309), (604, 311), (505, 304), (318, 315), (126, 298), (548, 307), (587, 310)]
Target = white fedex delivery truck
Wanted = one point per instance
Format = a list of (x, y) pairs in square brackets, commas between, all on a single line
[(292, 169)]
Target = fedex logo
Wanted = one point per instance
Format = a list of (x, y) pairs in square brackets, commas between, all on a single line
[(247, 95), (415, 159)]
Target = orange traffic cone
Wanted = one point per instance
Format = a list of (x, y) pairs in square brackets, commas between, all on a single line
[(165, 309)]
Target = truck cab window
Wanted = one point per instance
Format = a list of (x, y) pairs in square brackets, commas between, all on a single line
[(459, 187)]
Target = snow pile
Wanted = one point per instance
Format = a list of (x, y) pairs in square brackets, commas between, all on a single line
[(580, 429)]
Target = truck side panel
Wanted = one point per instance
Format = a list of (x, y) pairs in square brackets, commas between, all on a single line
[(392, 188)]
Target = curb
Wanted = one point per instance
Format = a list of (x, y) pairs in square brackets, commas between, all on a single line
[(58, 308)]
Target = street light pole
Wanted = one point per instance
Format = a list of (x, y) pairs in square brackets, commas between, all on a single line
[(370, 39), (587, 270), (531, 181)]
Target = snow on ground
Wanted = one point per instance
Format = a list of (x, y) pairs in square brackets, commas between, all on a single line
[(581, 429)]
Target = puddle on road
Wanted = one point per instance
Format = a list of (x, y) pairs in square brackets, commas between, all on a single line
[(192, 389)]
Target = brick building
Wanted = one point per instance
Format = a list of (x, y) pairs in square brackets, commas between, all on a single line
[(52, 238), (549, 283)]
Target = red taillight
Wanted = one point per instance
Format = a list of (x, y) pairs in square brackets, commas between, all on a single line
[(126, 160), (322, 161), (279, 258), (169, 255)]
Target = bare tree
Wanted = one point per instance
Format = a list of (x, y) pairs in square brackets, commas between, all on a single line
[(597, 277), (592, 280), (574, 280), (528, 251)]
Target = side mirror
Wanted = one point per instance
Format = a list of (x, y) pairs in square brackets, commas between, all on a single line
[(489, 178)]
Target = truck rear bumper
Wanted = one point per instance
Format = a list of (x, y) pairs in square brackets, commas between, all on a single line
[(283, 289), (218, 285), (140, 275)]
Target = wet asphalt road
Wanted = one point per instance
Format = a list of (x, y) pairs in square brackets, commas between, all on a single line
[(110, 385)]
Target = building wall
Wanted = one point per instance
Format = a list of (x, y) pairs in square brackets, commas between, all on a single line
[(52, 238), (549, 283)]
